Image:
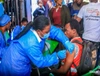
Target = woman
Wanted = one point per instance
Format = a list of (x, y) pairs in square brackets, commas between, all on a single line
[(59, 14), (28, 48)]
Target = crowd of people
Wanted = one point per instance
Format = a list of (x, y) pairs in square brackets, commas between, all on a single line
[(57, 21)]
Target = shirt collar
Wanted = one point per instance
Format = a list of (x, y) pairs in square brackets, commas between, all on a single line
[(37, 36)]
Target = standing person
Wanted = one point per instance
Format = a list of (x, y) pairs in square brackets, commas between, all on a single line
[(5, 22), (40, 10), (75, 6), (90, 14), (72, 32), (28, 48), (59, 15)]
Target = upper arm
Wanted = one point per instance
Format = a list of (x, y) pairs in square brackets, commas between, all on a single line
[(80, 14), (78, 19), (68, 61)]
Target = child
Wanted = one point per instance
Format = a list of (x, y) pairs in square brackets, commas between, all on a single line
[(40, 10)]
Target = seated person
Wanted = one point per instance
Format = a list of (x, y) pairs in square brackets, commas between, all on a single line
[(19, 28), (72, 32)]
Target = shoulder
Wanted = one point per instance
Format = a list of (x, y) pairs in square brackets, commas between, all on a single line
[(29, 39)]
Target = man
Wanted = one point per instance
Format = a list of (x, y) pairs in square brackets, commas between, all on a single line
[(90, 14), (72, 32)]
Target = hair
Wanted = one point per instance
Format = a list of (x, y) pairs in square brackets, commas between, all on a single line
[(74, 24), (93, 0), (24, 20), (39, 23)]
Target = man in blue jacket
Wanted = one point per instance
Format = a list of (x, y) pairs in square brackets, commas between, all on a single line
[(28, 48)]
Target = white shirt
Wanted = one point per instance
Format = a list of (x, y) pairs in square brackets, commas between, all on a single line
[(91, 21)]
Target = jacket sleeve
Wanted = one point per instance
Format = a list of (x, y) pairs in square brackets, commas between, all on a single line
[(2, 45), (36, 56), (57, 33)]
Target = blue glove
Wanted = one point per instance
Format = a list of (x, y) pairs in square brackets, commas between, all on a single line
[(69, 46), (61, 54)]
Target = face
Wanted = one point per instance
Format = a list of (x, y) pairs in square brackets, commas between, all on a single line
[(8, 26), (40, 3), (44, 1), (68, 31), (24, 23), (79, 1), (44, 31), (58, 2), (74, 1)]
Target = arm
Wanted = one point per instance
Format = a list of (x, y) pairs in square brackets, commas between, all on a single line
[(77, 18), (80, 14), (35, 55), (68, 61), (35, 13), (56, 33), (2, 45)]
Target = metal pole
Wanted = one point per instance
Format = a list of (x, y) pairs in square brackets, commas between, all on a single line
[(16, 12)]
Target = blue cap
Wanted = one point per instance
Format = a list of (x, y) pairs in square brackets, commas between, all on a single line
[(1, 9), (4, 20)]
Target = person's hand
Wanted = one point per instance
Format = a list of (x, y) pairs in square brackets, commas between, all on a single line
[(69, 46), (61, 54)]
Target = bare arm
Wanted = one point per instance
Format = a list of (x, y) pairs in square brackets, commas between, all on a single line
[(68, 61), (78, 19)]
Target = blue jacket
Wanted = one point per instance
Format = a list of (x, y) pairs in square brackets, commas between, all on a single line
[(2, 44), (17, 59)]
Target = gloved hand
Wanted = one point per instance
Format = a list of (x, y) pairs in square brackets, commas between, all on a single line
[(61, 54), (69, 46)]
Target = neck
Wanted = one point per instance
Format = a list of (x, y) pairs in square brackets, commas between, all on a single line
[(75, 35), (57, 6)]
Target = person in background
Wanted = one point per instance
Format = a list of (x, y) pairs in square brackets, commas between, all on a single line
[(40, 10), (59, 15), (90, 14), (1, 9), (19, 28), (29, 46), (24, 22), (72, 32), (75, 6), (5, 22)]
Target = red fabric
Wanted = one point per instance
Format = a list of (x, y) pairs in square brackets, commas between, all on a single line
[(77, 57), (57, 17)]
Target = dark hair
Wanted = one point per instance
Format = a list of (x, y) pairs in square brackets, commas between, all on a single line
[(39, 23), (74, 24), (24, 20)]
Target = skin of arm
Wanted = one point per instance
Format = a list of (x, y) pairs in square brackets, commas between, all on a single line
[(78, 19), (64, 68)]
